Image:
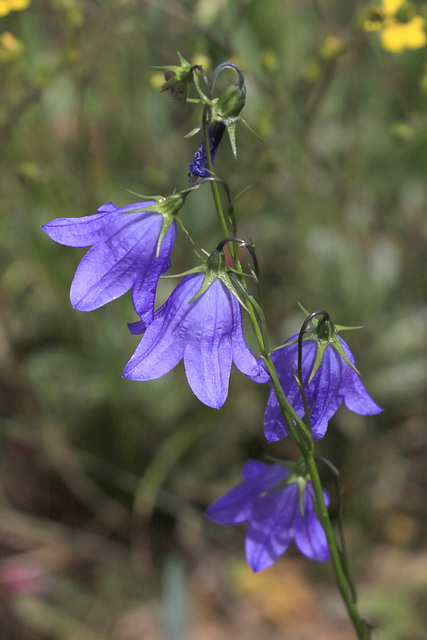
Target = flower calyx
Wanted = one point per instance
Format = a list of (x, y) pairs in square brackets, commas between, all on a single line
[(325, 334), (168, 207), (216, 268), (179, 78)]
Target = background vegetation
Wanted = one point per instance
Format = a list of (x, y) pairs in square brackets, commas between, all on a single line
[(103, 480)]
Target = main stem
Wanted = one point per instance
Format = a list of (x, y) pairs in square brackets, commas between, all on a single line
[(296, 426), (214, 185)]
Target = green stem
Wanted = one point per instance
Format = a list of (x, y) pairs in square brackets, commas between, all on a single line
[(340, 576), (214, 186), (308, 455)]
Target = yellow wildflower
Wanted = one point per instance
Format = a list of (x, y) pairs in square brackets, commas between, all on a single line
[(397, 36), (401, 28), (6, 6)]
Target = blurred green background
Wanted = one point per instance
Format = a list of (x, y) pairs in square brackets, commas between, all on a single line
[(103, 480)]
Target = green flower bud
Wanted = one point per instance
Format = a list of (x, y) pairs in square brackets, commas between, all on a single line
[(229, 104)]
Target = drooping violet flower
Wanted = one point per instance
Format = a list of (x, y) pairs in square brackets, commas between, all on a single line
[(199, 165), (125, 243), (205, 331), (334, 382), (280, 509)]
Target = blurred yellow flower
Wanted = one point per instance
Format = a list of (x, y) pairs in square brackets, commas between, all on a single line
[(401, 28), (6, 6), (10, 47), (10, 43), (397, 36), (331, 48)]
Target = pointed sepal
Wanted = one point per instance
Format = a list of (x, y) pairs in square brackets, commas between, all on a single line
[(326, 335), (168, 207), (179, 77), (215, 268)]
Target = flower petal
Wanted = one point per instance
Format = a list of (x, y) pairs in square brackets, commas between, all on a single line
[(327, 395), (163, 343), (274, 425), (88, 230), (271, 528), (207, 357), (310, 536), (236, 506), (145, 286), (243, 357), (356, 398), (109, 269)]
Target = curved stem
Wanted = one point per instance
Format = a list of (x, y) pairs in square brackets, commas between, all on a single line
[(228, 65)]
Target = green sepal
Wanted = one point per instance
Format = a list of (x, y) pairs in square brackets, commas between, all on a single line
[(198, 269), (182, 72), (231, 130), (166, 206), (326, 335), (193, 132), (314, 321), (215, 268), (307, 336), (250, 128), (340, 327), (321, 348), (338, 346)]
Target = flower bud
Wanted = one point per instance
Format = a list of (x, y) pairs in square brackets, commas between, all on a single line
[(230, 103)]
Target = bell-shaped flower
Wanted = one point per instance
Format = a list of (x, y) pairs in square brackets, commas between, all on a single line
[(280, 509), (201, 323), (131, 249), (330, 378)]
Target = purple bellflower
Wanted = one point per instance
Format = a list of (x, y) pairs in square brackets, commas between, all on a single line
[(203, 327), (334, 382), (279, 509), (131, 249), (199, 165)]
